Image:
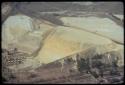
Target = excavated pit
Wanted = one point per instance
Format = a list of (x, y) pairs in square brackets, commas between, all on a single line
[(58, 48)]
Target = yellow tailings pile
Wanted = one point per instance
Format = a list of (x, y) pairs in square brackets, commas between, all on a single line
[(50, 42), (65, 41)]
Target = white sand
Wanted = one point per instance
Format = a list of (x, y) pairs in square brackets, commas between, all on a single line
[(101, 26)]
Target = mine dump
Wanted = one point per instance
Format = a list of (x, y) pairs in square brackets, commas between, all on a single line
[(62, 43)]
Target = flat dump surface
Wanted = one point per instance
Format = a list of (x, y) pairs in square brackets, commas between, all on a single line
[(66, 41)]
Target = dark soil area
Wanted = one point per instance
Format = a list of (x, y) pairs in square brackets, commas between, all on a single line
[(54, 73), (40, 9), (51, 74)]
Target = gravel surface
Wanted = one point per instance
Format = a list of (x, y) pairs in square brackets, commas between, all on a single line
[(111, 7), (35, 8)]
